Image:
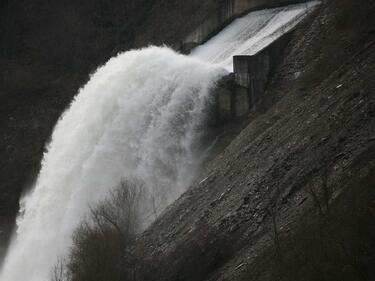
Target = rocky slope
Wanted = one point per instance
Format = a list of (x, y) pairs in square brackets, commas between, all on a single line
[(292, 197)]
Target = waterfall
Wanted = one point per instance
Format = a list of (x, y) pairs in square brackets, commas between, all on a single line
[(140, 116)]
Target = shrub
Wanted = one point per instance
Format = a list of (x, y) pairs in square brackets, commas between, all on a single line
[(101, 240)]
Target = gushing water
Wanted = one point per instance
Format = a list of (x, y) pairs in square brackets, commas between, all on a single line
[(251, 33), (140, 116)]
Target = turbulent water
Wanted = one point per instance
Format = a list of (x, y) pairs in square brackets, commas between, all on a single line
[(251, 33), (140, 116)]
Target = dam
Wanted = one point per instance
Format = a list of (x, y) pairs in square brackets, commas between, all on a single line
[(250, 47), (140, 117)]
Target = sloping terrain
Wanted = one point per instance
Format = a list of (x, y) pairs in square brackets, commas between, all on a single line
[(292, 197)]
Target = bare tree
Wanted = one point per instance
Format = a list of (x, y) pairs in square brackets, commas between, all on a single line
[(120, 211), (101, 240), (58, 272)]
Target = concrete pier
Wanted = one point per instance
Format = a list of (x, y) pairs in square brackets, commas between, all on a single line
[(237, 93)]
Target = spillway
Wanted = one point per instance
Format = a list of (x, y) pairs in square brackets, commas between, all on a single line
[(251, 33), (141, 116)]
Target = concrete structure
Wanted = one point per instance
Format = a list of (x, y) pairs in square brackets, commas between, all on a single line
[(228, 10), (252, 72), (231, 100), (241, 90), (238, 93)]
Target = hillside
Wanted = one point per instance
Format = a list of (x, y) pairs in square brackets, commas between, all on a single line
[(292, 197)]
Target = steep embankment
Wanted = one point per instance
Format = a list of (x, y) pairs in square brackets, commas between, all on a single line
[(292, 197)]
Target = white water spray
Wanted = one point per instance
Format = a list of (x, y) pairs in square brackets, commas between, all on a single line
[(139, 116)]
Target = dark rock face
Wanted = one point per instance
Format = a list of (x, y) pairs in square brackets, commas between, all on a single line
[(292, 197)]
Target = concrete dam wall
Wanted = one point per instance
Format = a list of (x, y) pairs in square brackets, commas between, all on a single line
[(250, 48), (228, 11), (237, 93)]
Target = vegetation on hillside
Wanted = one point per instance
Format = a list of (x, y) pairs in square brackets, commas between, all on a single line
[(103, 238)]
